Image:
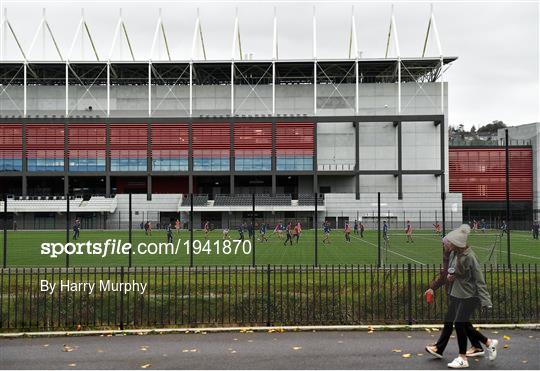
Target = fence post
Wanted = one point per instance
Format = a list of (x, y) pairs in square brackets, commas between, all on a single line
[(5, 232), (411, 294), (420, 215), (121, 299), (268, 306), (130, 232), (191, 230), (507, 173), (68, 217), (378, 229), (253, 239), (315, 225)]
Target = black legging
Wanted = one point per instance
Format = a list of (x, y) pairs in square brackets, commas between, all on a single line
[(464, 329), (449, 327)]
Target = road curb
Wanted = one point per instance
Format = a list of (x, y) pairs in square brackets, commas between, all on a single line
[(200, 330)]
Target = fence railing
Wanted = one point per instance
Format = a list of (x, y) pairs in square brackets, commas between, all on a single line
[(240, 295)]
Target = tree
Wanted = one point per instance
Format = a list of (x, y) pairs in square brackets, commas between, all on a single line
[(492, 127)]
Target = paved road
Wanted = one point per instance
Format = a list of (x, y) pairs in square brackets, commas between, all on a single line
[(289, 350)]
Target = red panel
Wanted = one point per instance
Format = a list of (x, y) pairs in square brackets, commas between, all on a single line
[(128, 153), (83, 153), (45, 136), (170, 184), (294, 136), (170, 136), (45, 153), (479, 173), (87, 136), (253, 136), (129, 136), (211, 136), (11, 136)]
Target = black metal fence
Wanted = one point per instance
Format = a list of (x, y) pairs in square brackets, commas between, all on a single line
[(240, 295)]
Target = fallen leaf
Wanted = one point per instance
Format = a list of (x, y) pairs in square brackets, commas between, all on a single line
[(140, 333), (204, 332), (233, 351), (396, 350), (409, 336), (427, 329), (419, 354), (79, 327), (193, 350), (530, 336), (271, 331), (495, 332), (143, 349), (72, 365), (250, 341), (506, 337), (340, 342), (297, 348), (185, 350), (506, 346), (406, 355), (524, 361), (100, 350), (235, 339), (187, 332), (45, 345), (67, 348), (147, 365)]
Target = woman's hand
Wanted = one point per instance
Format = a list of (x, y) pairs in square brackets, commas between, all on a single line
[(450, 278), (428, 291)]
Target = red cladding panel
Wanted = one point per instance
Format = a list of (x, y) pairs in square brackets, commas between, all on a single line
[(170, 136), (253, 136), (479, 173), (211, 136), (10, 141), (45, 136), (129, 136), (87, 136), (11, 136), (295, 136)]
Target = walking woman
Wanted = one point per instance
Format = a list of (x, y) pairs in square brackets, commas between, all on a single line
[(468, 292)]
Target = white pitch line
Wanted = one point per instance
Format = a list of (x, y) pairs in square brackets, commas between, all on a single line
[(393, 252), (486, 248)]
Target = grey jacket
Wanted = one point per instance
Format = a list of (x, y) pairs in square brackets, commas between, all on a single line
[(470, 283)]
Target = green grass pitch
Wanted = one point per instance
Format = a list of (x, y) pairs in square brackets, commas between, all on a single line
[(24, 249)]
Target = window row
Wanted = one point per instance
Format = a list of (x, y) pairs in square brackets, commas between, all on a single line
[(294, 163), (46, 164), (128, 164), (170, 164), (10, 164), (211, 163), (253, 163), (86, 164)]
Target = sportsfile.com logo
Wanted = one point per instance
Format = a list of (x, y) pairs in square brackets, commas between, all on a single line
[(119, 247)]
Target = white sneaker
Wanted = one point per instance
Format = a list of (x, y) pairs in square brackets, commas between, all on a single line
[(473, 352), (459, 363), (492, 349)]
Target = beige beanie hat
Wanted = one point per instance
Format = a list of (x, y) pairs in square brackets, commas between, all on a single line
[(458, 237)]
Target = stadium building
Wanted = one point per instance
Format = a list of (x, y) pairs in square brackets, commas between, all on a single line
[(285, 130)]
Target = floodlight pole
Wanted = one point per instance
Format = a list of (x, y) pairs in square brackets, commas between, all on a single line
[(315, 226), (253, 239), (191, 230), (507, 181), (68, 217)]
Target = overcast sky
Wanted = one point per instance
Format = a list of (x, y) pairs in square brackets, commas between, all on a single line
[(495, 78)]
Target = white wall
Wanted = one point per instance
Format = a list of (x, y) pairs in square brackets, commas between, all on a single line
[(335, 146)]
